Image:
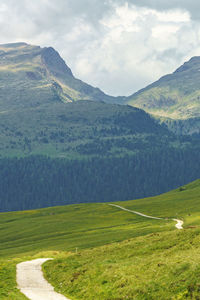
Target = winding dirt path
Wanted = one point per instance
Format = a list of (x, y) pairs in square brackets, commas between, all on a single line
[(32, 284), (179, 224)]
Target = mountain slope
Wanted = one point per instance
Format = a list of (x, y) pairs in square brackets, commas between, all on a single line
[(176, 95), (31, 76)]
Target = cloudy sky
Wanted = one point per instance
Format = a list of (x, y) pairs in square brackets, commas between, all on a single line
[(119, 46)]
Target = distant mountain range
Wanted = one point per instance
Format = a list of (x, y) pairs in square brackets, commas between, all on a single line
[(31, 76)]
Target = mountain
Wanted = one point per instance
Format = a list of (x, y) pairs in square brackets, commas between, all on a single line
[(31, 76), (175, 96)]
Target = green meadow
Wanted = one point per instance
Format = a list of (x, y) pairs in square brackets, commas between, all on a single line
[(102, 252), (157, 266)]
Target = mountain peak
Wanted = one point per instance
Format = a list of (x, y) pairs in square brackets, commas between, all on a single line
[(193, 63), (55, 64)]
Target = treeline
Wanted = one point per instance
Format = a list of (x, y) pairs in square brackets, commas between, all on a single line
[(183, 127), (38, 181)]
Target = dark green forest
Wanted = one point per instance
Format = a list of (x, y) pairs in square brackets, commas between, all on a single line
[(38, 181)]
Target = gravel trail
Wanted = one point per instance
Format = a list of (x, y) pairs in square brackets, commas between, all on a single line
[(32, 284), (179, 224)]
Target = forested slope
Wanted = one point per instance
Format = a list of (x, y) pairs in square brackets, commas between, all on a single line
[(35, 182)]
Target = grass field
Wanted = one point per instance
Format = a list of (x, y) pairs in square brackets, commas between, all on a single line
[(119, 255), (158, 266)]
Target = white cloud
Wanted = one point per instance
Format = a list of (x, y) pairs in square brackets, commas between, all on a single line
[(164, 31), (172, 16), (3, 8), (136, 47)]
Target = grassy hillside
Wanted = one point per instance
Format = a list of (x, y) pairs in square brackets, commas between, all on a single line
[(89, 225), (174, 96), (161, 265), (158, 266), (69, 227), (148, 244)]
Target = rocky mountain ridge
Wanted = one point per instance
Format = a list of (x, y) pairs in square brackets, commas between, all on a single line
[(31, 76)]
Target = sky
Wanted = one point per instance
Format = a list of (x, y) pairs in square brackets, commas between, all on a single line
[(116, 45)]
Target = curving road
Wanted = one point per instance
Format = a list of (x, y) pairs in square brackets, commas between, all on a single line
[(179, 224), (32, 284)]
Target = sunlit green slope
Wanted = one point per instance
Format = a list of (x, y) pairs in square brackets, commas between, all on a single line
[(175, 96)]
